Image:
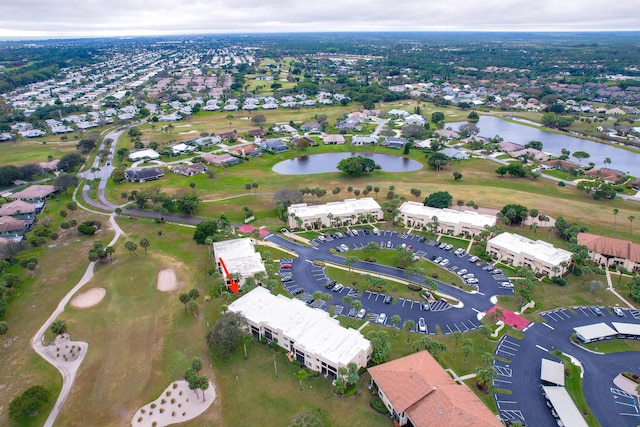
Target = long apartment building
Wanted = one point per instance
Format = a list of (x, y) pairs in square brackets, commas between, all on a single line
[(346, 212)]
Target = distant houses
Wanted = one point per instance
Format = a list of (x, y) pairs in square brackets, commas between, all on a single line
[(225, 159), (189, 170), (35, 193), (145, 154), (276, 145)]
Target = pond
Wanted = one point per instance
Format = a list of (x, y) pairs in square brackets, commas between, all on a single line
[(327, 162), (553, 143)]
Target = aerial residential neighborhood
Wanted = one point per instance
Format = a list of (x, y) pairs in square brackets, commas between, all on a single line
[(320, 229)]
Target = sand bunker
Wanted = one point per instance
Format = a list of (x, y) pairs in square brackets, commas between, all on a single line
[(167, 281), (89, 298), (176, 404)]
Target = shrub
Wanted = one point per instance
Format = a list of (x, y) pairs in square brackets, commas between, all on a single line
[(414, 287), (559, 281)]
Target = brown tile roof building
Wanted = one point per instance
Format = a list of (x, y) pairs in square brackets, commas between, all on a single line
[(17, 207), (610, 251), (9, 224), (606, 174), (417, 389), (35, 192)]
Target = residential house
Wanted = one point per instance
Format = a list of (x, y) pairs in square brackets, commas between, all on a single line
[(35, 193), (539, 256), (394, 142), (531, 154), (239, 257), (447, 134), (610, 252), (189, 170), (311, 126), (418, 392), (228, 135), (364, 140), (144, 154), (181, 149), (333, 139), (275, 145), (51, 166), (225, 159), (398, 113), (21, 209), (331, 214), (310, 336), (415, 119), (609, 175), (143, 175), (455, 154), (246, 150)]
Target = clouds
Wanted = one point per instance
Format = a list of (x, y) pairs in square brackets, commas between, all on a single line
[(72, 18)]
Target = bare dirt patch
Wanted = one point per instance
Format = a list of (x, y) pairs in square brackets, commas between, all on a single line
[(89, 298), (167, 281)]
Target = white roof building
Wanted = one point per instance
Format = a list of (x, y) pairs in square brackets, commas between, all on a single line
[(238, 256), (450, 221), (552, 372), (541, 257), (628, 329), (310, 335), (147, 153), (594, 332), (567, 411), (349, 211)]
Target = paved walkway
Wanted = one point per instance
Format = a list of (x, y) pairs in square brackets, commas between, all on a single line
[(612, 289), (458, 379), (67, 370)]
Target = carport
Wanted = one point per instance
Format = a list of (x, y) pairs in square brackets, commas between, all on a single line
[(628, 330), (594, 332), (552, 372), (567, 411)]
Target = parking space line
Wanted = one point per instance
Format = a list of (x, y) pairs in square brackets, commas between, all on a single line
[(542, 348), (548, 326)]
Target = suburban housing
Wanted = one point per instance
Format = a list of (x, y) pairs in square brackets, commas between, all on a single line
[(450, 221), (310, 335), (347, 211), (418, 392), (610, 252), (540, 257)]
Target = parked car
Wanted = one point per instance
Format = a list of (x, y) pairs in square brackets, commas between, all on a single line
[(296, 291), (471, 281), (388, 299), (330, 284), (355, 233), (449, 247), (596, 311), (444, 262), (488, 267), (348, 232), (618, 311), (474, 259), (461, 272), (442, 245), (389, 244), (285, 266), (422, 239), (469, 276), (352, 312), (286, 279), (321, 238), (375, 231), (339, 235), (422, 326), (496, 271), (382, 318), (365, 231), (437, 260), (426, 306), (338, 287), (361, 313), (506, 285), (344, 247)]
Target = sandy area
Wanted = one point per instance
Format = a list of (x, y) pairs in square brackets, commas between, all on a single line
[(89, 298), (188, 132), (167, 281), (176, 404)]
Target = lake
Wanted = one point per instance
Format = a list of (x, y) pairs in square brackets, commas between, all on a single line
[(553, 143), (327, 162)]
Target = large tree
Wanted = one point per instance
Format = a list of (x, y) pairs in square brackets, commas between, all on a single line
[(438, 160), (70, 161), (65, 181), (227, 334), (439, 199), (380, 346), (205, 229), (357, 165), (516, 213), (28, 403)]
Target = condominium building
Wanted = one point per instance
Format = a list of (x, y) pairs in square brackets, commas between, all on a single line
[(311, 336), (450, 221), (539, 256), (348, 211)]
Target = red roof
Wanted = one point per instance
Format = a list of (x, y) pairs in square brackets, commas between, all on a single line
[(417, 384)]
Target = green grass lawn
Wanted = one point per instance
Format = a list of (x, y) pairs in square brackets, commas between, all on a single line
[(456, 242), (613, 345)]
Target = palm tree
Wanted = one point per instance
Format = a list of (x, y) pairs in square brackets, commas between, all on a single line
[(395, 320), (409, 325), (631, 218), (616, 211), (607, 161), (184, 299), (144, 243), (346, 301), (456, 337), (302, 375), (485, 377)]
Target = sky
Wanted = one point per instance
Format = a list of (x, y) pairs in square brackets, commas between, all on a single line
[(97, 18)]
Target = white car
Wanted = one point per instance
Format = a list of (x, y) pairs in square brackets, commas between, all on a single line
[(361, 313), (382, 318), (355, 232), (444, 262), (422, 326), (506, 285), (618, 311), (471, 281), (344, 247), (474, 259), (469, 276), (461, 272)]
